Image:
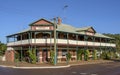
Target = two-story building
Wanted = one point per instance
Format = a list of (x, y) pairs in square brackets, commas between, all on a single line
[(40, 37)]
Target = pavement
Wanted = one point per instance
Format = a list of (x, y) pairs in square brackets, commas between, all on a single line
[(25, 65)]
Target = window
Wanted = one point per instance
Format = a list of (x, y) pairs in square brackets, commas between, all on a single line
[(65, 36), (74, 53), (64, 52)]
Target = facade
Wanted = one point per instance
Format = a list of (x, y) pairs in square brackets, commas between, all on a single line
[(40, 37)]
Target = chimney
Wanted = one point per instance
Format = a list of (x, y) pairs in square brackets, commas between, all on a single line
[(59, 21)]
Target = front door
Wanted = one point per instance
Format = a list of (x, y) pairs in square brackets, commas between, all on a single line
[(45, 56)]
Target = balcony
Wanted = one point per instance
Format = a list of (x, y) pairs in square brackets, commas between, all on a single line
[(59, 41), (18, 43)]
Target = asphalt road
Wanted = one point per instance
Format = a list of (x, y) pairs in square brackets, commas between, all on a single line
[(95, 69)]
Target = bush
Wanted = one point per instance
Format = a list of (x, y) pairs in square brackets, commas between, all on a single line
[(108, 56), (86, 54), (52, 54), (17, 56), (114, 54), (68, 56), (95, 54), (79, 54), (32, 55), (105, 55)]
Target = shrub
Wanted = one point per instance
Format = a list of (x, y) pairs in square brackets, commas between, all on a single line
[(95, 54), (79, 54), (86, 54), (16, 55), (68, 56), (52, 54), (32, 55), (105, 55)]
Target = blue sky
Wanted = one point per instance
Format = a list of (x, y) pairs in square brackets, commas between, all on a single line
[(103, 15)]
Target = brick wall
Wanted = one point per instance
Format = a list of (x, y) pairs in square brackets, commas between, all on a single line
[(9, 55)]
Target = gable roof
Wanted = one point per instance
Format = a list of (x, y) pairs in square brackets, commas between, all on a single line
[(41, 22), (85, 29)]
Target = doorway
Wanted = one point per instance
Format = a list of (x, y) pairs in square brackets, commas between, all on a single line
[(45, 55)]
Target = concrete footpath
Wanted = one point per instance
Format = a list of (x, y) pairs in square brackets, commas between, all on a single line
[(24, 65)]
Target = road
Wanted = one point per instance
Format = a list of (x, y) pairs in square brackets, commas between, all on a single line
[(94, 69)]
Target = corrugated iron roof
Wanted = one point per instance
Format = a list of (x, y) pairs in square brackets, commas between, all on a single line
[(71, 29)]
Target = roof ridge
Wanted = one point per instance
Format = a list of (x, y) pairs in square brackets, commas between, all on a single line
[(85, 27)]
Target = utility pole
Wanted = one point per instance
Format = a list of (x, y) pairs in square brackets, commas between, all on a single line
[(55, 57)]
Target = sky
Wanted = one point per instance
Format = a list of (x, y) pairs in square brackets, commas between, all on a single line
[(102, 15)]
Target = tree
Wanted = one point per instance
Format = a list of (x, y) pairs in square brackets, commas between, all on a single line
[(116, 41), (3, 48)]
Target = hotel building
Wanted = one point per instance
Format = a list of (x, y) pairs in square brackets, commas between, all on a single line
[(40, 37)]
